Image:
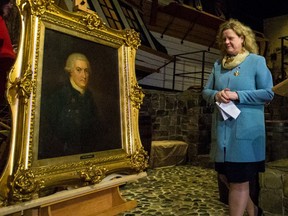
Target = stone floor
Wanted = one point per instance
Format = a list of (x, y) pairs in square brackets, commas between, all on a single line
[(178, 190)]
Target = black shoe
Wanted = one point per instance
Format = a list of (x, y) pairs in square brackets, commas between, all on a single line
[(260, 212)]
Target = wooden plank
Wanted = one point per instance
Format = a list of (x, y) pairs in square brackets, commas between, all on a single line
[(118, 209), (106, 202), (281, 88), (189, 13)]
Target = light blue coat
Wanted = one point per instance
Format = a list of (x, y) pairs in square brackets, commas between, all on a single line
[(243, 139)]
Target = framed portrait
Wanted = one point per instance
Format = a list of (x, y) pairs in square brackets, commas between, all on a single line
[(75, 103), (81, 123)]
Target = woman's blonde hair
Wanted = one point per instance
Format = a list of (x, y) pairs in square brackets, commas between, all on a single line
[(249, 41)]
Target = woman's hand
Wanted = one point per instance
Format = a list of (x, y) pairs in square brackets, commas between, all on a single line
[(225, 96)]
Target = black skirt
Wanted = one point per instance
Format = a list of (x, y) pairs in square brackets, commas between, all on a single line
[(240, 172)]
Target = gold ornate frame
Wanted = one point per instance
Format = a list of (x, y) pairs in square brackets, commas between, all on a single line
[(25, 176)]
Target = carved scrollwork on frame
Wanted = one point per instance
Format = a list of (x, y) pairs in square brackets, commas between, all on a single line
[(24, 185), (137, 96), (22, 87), (92, 21), (139, 160), (39, 7), (132, 38), (92, 174)]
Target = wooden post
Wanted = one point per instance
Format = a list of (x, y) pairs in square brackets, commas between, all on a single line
[(82, 5)]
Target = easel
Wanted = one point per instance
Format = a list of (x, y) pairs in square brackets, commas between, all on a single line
[(104, 202), (103, 199)]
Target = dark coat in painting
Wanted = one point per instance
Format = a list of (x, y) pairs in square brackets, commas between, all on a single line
[(71, 122)]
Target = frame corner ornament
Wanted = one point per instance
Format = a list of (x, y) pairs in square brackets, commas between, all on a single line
[(24, 185), (132, 38), (139, 160), (39, 7)]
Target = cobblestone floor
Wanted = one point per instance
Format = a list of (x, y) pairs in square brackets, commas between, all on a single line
[(178, 191)]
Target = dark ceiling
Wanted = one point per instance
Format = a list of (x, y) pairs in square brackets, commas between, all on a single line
[(253, 12), (184, 19)]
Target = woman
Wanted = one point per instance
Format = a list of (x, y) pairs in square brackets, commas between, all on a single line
[(7, 54), (238, 145)]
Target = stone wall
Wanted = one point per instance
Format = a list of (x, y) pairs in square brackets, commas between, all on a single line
[(274, 188), (180, 116)]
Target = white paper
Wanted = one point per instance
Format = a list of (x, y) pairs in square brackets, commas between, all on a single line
[(224, 115), (228, 110)]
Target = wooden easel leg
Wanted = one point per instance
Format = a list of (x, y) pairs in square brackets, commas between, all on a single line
[(118, 204), (103, 203)]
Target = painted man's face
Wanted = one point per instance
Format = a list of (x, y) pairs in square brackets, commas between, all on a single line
[(80, 73)]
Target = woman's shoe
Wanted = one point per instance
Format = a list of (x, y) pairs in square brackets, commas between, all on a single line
[(260, 212)]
